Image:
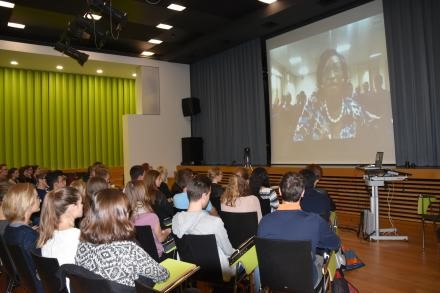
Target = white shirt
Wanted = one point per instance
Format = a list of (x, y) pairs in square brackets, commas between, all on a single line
[(62, 246)]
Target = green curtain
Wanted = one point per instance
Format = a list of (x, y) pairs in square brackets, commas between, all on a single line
[(62, 120)]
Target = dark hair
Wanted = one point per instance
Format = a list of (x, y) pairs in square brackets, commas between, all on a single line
[(184, 177), (197, 186), (11, 171), (309, 178), (94, 185), (259, 178), (54, 206), (4, 186), (327, 54), (292, 187), (108, 218), (316, 169), (102, 172), (53, 177), (136, 171), (150, 185)]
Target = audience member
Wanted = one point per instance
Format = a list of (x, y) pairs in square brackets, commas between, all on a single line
[(289, 222), (196, 221), (4, 186), (164, 181), (94, 185), (216, 175), (81, 186), (319, 173), (237, 198), (137, 172), (58, 236), (260, 187), (314, 201), (13, 175), (158, 200), (107, 244), (103, 172), (3, 171), (25, 174), (143, 213), (181, 201), (42, 186), (55, 180)]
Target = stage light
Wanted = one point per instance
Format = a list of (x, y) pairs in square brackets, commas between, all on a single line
[(59, 67), (119, 18), (146, 53), (99, 71), (176, 7), (13, 62), (82, 28), (64, 48), (154, 41), (164, 26), (16, 25)]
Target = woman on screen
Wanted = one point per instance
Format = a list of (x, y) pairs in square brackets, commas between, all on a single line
[(331, 113)]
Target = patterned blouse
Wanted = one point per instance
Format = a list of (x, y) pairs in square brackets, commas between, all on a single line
[(119, 261)]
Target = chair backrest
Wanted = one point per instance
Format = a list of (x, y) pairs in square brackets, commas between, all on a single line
[(285, 265), (25, 268), (49, 272), (144, 285), (85, 281), (240, 226), (265, 206), (202, 251), (144, 235), (8, 263)]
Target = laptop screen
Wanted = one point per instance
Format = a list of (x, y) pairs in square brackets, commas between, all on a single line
[(378, 162)]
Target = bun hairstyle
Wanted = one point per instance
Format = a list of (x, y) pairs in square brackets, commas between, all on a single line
[(54, 206)]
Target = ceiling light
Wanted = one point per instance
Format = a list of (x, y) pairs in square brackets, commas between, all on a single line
[(7, 4), (176, 7), (59, 67), (99, 71), (93, 16), (375, 55), (343, 48), (16, 25), (134, 75), (164, 26), (154, 41), (295, 60), (13, 62), (147, 53), (268, 1)]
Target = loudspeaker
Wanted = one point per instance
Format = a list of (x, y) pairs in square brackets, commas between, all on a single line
[(192, 150), (190, 106)]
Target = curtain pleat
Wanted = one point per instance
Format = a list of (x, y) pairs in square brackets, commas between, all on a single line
[(60, 120)]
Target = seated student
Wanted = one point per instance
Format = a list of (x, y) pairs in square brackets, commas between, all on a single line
[(55, 180), (143, 213), (137, 172), (107, 243), (196, 221), (19, 203), (318, 173), (260, 187), (58, 236), (216, 175), (289, 222), (158, 200), (4, 186), (13, 175), (313, 200), (181, 201), (93, 185), (164, 178), (237, 197)]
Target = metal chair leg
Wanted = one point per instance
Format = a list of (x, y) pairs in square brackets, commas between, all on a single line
[(423, 233)]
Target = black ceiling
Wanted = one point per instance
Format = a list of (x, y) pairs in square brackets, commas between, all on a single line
[(204, 28)]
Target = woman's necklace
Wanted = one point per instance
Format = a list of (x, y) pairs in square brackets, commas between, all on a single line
[(330, 117)]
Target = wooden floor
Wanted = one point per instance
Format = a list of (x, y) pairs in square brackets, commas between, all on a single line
[(391, 266)]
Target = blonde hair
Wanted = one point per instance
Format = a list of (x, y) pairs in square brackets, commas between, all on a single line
[(54, 206), (214, 172), (238, 185), (18, 199), (79, 185), (163, 172), (137, 194)]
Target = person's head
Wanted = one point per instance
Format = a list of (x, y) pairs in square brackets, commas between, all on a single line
[(316, 169), (137, 172), (184, 177), (259, 178), (3, 170), (199, 190), (30, 171), (64, 203), (92, 168), (94, 185), (238, 185), (4, 186), (152, 179), (309, 178), (291, 187), (332, 75), (56, 180), (108, 218), (103, 173), (81, 186), (163, 173), (215, 174), (137, 194), (35, 170), (41, 180), (146, 167), (13, 174), (20, 202), (23, 172)]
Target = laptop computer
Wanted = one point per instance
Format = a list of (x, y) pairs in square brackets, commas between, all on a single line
[(377, 163)]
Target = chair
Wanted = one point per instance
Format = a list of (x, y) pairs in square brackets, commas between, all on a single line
[(144, 235), (49, 272), (8, 266), (240, 226), (85, 281), (265, 206), (144, 285), (427, 214), (25, 268), (286, 265)]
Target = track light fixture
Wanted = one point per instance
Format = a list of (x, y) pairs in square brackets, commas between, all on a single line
[(117, 17), (65, 48)]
